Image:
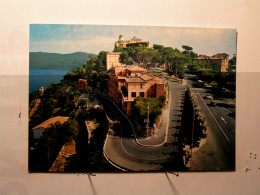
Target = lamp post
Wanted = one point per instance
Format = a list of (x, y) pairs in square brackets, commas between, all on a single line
[(148, 119), (192, 129)]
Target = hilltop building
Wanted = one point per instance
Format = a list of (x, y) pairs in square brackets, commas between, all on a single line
[(220, 59), (131, 43)]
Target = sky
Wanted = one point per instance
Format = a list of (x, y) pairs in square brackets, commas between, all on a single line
[(62, 38)]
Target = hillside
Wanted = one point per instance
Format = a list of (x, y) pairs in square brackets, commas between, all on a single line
[(55, 60)]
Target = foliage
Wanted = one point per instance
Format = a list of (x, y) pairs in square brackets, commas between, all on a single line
[(141, 108), (223, 79), (157, 46), (124, 58), (34, 95), (233, 60), (225, 55), (103, 57), (49, 144), (186, 48), (94, 71), (198, 65), (55, 96)]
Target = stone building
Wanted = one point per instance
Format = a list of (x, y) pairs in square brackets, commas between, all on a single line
[(112, 59), (131, 43), (220, 59)]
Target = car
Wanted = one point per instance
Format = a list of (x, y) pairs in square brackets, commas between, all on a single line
[(213, 103), (209, 97)]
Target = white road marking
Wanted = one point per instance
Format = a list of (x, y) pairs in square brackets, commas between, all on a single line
[(214, 118), (223, 119), (228, 110)]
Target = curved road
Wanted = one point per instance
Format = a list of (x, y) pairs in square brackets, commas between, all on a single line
[(127, 152)]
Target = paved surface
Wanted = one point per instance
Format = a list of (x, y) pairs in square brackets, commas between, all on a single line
[(218, 153), (127, 152)]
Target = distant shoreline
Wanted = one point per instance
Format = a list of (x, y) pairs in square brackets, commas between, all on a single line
[(43, 77), (58, 61)]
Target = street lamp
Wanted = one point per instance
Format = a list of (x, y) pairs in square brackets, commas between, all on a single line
[(192, 129), (148, 119)]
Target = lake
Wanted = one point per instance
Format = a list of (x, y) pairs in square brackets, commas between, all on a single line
[(43, 77)]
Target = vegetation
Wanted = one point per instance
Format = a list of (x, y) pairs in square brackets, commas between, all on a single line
[(43, 151), (55, 60), (159, 55), (192, 123), (56, 100), (94, 71), (141, 110), (59, 99), (223, 79)]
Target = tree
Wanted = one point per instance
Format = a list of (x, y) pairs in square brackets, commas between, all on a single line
[(187, 48), (198, 65), (177, 61), (157, 47), (141, 108), (103, 57), (124, 58), (233, 60)]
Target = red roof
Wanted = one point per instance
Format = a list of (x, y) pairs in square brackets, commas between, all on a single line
[(50, 121)]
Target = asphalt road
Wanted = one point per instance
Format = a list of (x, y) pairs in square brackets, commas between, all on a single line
[(128, 152), (218, 152)]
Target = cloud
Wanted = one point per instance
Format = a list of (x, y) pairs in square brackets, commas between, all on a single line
[(93, 45), (95, 38)]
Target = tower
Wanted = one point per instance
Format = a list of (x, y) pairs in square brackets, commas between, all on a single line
[(120, 37)]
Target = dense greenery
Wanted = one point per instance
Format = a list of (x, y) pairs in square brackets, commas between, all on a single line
[(198, 65), (174, 59), (57, 100), (223, 79), (43, 151), (141, 109), (94, 71), (55, 60)]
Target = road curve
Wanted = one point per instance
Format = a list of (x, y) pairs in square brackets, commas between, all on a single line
[(129, 153)]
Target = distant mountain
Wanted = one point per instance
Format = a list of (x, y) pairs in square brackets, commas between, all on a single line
[(56, 60)]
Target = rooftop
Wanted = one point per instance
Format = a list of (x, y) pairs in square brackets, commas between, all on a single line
[(147, 77), (50, 121), (131, 68), (134, 80)]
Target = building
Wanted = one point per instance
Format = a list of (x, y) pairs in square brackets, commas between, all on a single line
[(131, 43), (39, 129), (112, 59), (129, 70), (83, 84), (219, 59), (136, 83)]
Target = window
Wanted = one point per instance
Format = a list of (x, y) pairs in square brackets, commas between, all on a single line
[(151, 85), (133, 94), (141, 94), (141, 85)]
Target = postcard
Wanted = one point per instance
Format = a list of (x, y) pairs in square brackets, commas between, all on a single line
[(131, 99)]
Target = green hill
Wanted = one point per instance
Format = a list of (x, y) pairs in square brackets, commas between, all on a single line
[(56, 60)]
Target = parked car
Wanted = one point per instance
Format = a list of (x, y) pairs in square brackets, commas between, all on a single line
[(213, 103), (209, 97)]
